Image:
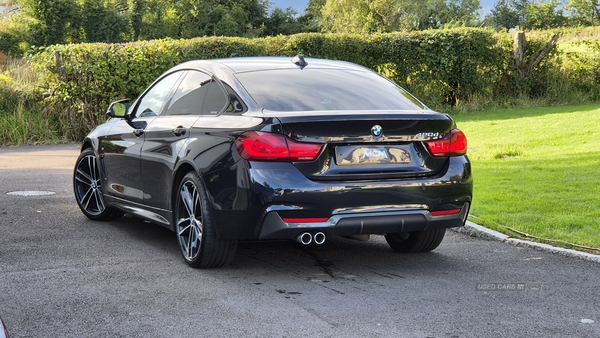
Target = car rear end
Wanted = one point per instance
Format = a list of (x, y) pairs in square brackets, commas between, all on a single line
[(342, 180), (350, 154)]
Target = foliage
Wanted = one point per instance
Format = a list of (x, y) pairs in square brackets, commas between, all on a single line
[(503, 16), (442, 66), (113, 21), (543, 15), (582, 59), (102, 23), (351, 16), (42, 23), (311, 17), (527, 15), (283, 22), (366, 16), (220, 17), (439, 66), (450, 70), (54, 21), (586, 12), (464, 11), (20, 119)]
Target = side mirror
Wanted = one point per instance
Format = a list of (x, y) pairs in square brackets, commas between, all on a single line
[(118, 109)]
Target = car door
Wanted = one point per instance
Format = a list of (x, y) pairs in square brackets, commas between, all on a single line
[(120, 149), (167, 135)]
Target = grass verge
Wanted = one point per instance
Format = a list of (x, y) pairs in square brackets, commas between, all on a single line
[(25, 127), (537, 172)]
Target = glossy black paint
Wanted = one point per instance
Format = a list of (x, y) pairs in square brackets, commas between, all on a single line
[(143, 159)]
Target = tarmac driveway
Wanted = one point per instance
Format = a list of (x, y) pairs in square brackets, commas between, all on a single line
[(62, 275)]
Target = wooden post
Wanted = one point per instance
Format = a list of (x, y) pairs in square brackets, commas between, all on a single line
[(60, 65), (519, 46)]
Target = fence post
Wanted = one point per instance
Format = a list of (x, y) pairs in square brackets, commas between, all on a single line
[(519, 46), (60, 65)]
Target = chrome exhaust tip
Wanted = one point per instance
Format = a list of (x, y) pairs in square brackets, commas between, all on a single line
[(304, 238), (319, 238)]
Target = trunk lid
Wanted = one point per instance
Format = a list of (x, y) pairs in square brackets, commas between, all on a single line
[(368, 145)]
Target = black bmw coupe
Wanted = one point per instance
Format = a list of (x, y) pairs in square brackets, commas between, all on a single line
[(264, 148)]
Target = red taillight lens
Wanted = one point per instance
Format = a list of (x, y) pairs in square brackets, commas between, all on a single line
[(260, 146), (453, 144)]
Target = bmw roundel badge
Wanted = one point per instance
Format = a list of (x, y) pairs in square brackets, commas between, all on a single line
[(376, 130)]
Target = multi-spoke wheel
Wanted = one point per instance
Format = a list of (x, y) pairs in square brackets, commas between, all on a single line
[(195, 229), (418, 241), (88, 189)]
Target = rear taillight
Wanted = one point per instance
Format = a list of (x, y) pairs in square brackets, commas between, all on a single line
[(453, 144), (260, 146)]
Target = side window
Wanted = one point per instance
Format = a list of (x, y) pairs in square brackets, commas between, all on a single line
[(215, 99), (153, 101), (188, 98)]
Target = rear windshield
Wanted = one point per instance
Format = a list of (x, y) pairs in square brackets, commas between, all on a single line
[(325, 89)]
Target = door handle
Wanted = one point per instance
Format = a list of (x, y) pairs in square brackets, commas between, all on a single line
[(138, 132), (179, 131)]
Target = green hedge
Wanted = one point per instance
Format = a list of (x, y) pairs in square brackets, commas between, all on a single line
[(439, 66)]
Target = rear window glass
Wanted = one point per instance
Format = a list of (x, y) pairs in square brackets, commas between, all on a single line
[(325, 89)]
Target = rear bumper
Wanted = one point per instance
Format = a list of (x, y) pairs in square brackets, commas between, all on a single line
[(268, 193), (380, 221)]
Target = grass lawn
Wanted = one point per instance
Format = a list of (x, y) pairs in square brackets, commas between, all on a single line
[(537, 171)]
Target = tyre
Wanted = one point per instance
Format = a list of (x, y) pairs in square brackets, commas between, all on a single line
[(418, 241), (87, 185), (195, 227)]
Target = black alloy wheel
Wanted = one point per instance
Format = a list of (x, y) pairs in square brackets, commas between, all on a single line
[(418, 241), (194, 225), (87, 185)]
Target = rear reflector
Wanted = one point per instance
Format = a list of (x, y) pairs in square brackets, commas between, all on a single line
[(445, 212), (453, 144), (305, 220), (260, 146)]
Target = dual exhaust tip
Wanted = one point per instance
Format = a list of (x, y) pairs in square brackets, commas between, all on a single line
[(306, 238)]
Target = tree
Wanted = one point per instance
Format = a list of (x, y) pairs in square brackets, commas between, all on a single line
[(585, 11), (14, 29), (153, 19), (55, 21), (543, 16), (503, 16), (102, 22), (137, 12), (220, 17), (527, 14), (366, 16), (312, 15), (282, 22), (463, 11), (349, 16)]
